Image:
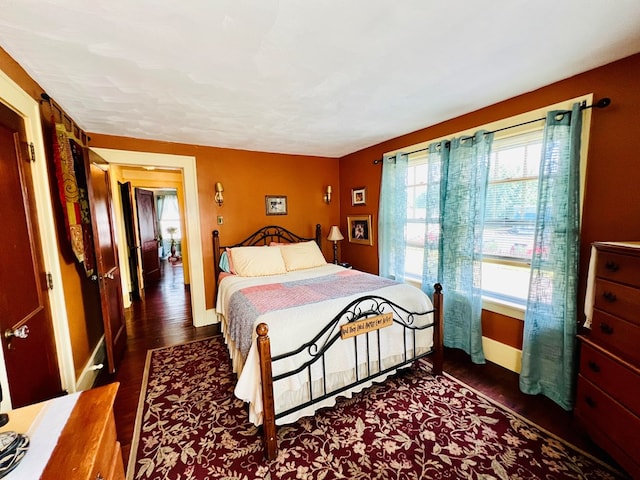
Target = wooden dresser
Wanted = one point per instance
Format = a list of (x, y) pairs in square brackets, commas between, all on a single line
[(87, 447), (608, 393)]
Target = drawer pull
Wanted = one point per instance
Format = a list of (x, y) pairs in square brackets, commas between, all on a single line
[(590, 401), (606, 329), (609, 296), (594, 367), (612, 266), (99, 477)]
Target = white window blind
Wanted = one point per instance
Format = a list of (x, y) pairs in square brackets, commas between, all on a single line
[(510, 216)]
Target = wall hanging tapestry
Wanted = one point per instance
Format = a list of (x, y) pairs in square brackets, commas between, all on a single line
[(74, 196)]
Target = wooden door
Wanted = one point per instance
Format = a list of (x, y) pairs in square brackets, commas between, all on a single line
[(148, 230), (108, 270), (26, 327), (126, 198)]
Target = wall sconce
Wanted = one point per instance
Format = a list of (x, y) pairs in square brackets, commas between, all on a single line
[(327, 196), (335, 236), (219, 198)]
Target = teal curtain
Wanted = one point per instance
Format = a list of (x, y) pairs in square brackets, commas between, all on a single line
[(392, 216), (548, 351), (465, 188), (437, 163)]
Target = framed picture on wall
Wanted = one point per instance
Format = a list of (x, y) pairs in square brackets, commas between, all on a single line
[(359, 196), (276, 204), (360, 229)]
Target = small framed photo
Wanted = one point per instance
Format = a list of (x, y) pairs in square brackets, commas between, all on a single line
[(359, 196), (276, 204), (360, 230)]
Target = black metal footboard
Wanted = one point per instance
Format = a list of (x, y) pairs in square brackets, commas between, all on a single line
[(362, 323)]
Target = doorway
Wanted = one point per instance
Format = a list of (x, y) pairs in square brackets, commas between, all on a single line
[(153, 222), (26, 322), (193, 263), (29, 110)]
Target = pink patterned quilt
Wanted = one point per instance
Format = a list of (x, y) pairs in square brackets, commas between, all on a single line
[(247, 304)]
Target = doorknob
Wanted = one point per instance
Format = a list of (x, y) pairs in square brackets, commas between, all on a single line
[(21, 332)]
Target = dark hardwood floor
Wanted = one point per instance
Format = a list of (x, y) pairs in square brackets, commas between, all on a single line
[(164, 318)]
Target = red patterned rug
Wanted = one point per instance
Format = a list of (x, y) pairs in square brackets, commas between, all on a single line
[(414, 426)]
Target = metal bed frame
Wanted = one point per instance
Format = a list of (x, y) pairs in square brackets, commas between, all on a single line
[(368, 308)]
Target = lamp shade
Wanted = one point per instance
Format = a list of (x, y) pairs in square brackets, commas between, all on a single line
[(334, 234)]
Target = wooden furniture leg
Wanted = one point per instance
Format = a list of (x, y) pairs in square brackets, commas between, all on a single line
[(269, 415)]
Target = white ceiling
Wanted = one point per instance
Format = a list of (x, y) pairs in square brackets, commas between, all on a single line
[(315, 77)]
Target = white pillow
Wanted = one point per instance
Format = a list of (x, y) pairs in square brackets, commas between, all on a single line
[(257, 261), (298, 256)]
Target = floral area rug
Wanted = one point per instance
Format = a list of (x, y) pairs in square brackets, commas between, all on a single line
[(414, 426)]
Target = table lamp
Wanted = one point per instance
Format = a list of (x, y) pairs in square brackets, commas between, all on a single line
[(335, 236)]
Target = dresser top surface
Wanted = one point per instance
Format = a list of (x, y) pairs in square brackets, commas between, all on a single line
[(621, 247)]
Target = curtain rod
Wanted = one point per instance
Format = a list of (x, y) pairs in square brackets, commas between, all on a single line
[(602, 103)]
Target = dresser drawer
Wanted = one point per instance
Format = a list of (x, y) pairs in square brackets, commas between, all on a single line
[(103, 466), (619, 300), (117, 467), (618, 268), (596, 409), (87, 447), (618, 335), (617, 380)]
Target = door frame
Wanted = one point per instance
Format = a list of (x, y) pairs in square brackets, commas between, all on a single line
[(24, 105), (187, 164)]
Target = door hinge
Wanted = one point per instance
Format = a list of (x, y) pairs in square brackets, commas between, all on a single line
[(49, 281), (32, 150)]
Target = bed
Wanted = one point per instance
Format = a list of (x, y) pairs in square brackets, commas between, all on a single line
[(301, 331)]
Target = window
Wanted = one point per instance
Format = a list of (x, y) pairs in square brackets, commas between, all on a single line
[(168, 213), (416, 214), (511, 206), (510, 216)]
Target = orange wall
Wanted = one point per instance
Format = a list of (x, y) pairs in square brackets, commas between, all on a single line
[(612, 197), (247, 177)]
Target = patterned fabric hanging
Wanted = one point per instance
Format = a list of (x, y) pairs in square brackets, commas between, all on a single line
[(73, 194)]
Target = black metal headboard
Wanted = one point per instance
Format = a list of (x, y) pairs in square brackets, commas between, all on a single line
[(264, 236)]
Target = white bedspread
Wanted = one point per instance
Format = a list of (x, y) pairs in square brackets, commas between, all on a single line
[(289, 327)]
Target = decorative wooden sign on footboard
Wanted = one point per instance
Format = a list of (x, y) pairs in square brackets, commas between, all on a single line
[(366, 325)]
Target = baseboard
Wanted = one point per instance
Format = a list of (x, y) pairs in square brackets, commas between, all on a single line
[(210, 318), (92, 368), (504, 355)]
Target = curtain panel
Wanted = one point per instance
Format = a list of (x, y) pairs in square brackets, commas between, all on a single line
[(392, 216), (550, 326), (437, 164), (464, 191)]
